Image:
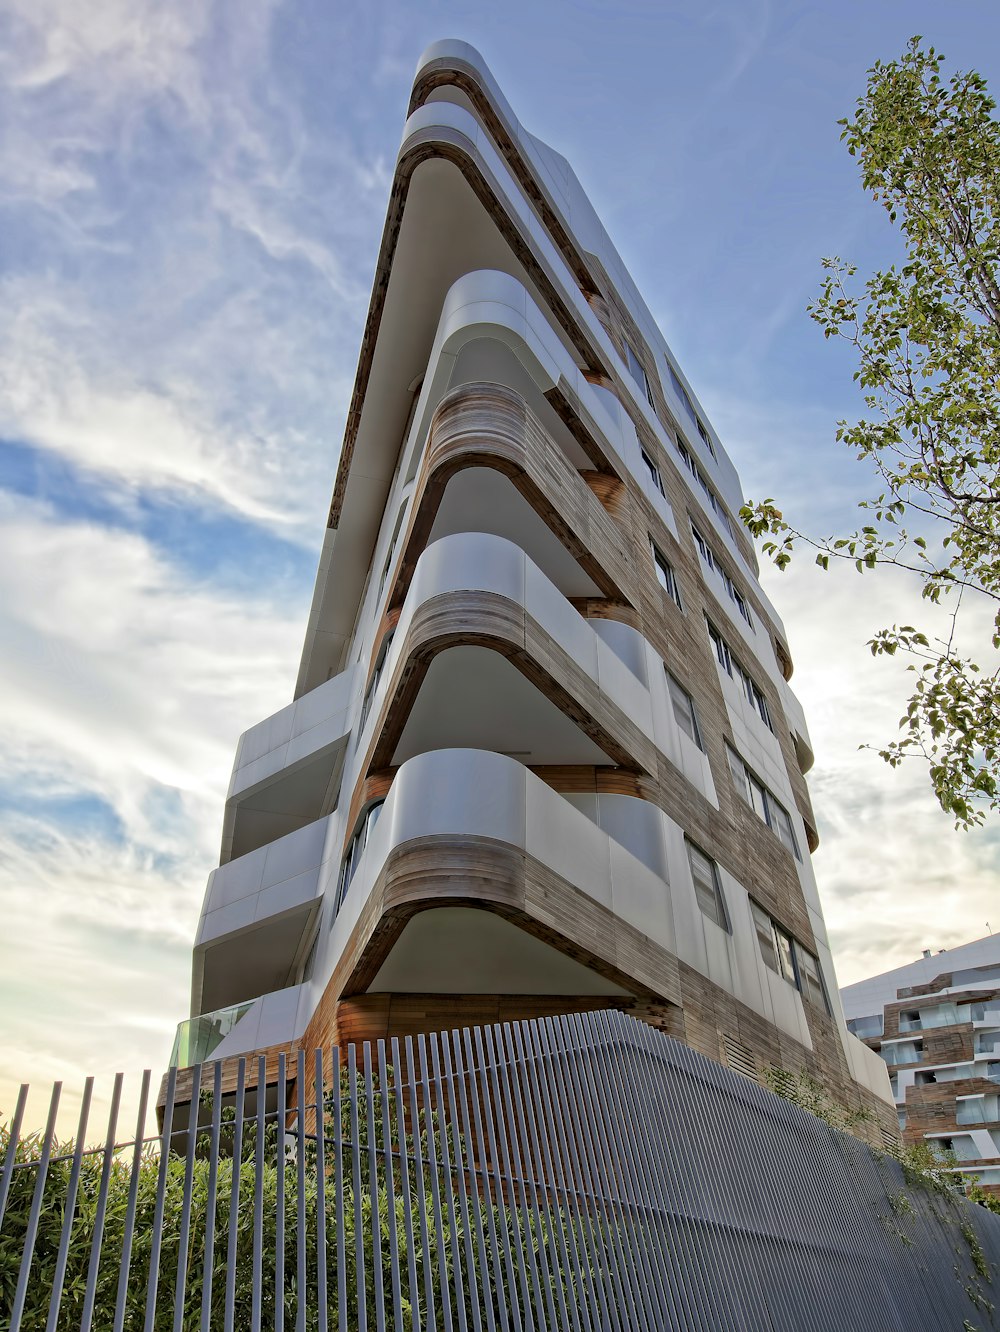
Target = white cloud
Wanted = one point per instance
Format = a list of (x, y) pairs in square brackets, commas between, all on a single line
[(894, 875)]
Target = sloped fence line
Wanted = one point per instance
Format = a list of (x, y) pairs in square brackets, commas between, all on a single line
[(581, 1174)]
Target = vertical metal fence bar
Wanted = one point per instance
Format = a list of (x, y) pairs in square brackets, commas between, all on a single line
[(404, 1177), (606, 1157), (658, 1107), (623, 1085), (97, 1243), (236, 1180), (281, 1114), (210, 1201), (497, 1212), (449, 1187), (121, 1299), (69, 1214), (416, 1123), (531, 1182), (554, 1153), (319, 1095), (476, 1089), (183, 1246), (301, 1237), (12, 1145), (450, 1098), (566, 1120), (259, 1156), (378, 1288), (499, 1127), (360, 1242), (153, 1280), (31, 1231), (338, 1187), (429, 1117), (390, 1187)]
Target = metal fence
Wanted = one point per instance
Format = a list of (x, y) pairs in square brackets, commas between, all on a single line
[(576, 1173)]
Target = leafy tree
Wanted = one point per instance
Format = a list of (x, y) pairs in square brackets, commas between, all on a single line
[(926, 333)]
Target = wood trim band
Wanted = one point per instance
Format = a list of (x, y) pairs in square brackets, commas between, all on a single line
[(489, 425)]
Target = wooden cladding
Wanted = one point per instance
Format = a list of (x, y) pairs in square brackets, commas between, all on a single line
[(491, 426)]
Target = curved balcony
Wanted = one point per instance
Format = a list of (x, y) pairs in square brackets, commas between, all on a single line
[(477, 591), (487, 427)]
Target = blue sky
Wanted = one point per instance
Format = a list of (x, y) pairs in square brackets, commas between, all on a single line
[(191, 198)]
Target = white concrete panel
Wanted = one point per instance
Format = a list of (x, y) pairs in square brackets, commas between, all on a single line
[(637, 826), (243, 1037), (277, 1016), (301, 850), (565, 840), (623, 687), (626, 643), (546, 604), (641, 897), (717, 950), (288, 894), (239, 878), (688, 928), (458, 791), (266, 735), (323, 736), (468, 560)]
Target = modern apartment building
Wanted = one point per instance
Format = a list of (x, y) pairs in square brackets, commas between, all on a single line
[(936, 1023), (543, 755)]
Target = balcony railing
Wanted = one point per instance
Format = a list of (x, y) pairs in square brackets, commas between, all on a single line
[(199, 1037)]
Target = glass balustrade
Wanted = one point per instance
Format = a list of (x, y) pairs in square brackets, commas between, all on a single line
[(198, 1037)]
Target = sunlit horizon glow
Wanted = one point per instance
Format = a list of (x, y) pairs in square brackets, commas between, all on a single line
[(193, 199)]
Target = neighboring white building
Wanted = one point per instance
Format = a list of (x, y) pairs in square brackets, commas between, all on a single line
[(542, 753), (936, 1023)]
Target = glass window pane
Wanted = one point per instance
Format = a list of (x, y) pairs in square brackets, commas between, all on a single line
[(809, 975), (758, 798), (783, 942), (706, 886), (765, 937), (684, 713), (782, 825), (738, 773)]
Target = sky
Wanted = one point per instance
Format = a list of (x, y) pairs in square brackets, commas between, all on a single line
[(191, 201)]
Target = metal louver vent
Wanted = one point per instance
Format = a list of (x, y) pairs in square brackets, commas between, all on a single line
[(740, 1058)]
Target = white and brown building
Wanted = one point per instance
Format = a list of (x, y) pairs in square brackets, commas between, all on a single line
[(936, 1023), (543, 754)]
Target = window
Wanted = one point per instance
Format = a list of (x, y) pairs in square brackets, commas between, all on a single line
[(713, 499), (787, 958), (665, 575), (705, 435), (637, 372), (392, 549), (679, 388), (721, 649), (753, 791), (711, 562), (654, 471), (732, 667), (684, 713), (375, 681), (704, 550), (356, 849), (707, 888)]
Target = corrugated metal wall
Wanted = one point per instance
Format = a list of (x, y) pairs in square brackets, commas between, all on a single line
[(575, 1173)]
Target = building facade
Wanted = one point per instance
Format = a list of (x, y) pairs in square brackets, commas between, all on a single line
[(543, 755), (936, 1023)]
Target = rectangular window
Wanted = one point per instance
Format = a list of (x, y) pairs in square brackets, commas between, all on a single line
[(703, 548), (637, 372), (707, 888), (810, 980), (654, 471), (354, 852), (787, 958), (753, 791), (721, 649), (705, 435), (665, 575), (375, 681), (679, 388), (684, 713)]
